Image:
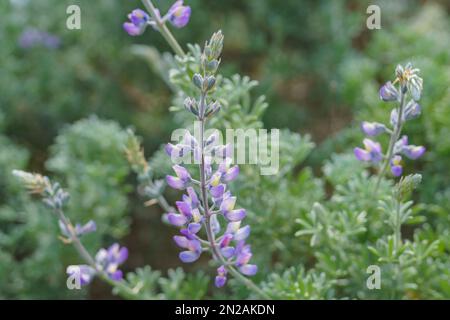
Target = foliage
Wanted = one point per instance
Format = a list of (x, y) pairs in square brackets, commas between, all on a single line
[(312, 67)]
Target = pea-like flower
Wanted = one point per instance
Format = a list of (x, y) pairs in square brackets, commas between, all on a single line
[(396, 166), (413, 152), (227, 208), (388, 92), (85, 273), (108, 260), (370, 153), (179, 14), (139, 20), (193, 246), (243, 256), (182, 179), (412, 110), (79, 229), (221, 277), (372, 128)]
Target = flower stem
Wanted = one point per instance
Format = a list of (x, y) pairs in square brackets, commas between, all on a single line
[(126, 291), (394, 138), (210, 234), (163, 28)]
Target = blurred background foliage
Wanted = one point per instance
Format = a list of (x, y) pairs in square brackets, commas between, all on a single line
[(64, 112)]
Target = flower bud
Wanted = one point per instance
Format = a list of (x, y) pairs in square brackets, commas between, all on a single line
[(388, 92), (412, 110), (198, 80), (208, 83)]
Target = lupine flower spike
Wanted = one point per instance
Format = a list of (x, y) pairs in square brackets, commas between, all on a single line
[(407, 84), (209, 203)]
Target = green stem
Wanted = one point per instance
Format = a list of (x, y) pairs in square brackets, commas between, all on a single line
[(163, 28), (398, 226), (394, 138), (209, 233)]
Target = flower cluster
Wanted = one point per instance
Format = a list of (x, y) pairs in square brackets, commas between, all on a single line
[(208, 202), (178, 15), (106, 261), (409, 84)]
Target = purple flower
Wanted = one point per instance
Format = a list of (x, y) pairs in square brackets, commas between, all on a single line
[(182, 179), (396, 166), (178, 15), (413, 152), (372, 128), (83, 272), (221, 277), (242, 233), (370, 153), (228, 173), (227, 208), (79, 229), (394, 117), (388, 92), (194, 250), (400, 144), (243, 256), (32, 37), (139, 21), (132, 30), (412, 110), (110, 259), (177, 220)]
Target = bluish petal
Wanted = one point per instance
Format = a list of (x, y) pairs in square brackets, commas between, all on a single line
[(123, 255), (176, 219), (116, 276), (175, 183), (231, 174), (220, 281), (228, 204), (184, 208), (217, 191), (227, 252), (361, 154), (188, 256), (242, 233), (132, 29), (388, 92), (396, 170), (413, 152), (249, 269), (194, 227), (181, 241), (181, 172), (236, 215)]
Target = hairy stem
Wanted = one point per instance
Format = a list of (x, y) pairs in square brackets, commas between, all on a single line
[(163, 28), (394, 138), (210, 234)]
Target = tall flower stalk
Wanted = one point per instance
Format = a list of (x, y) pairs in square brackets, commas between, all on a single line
[(204, 207), (208, 202), (406, 86)]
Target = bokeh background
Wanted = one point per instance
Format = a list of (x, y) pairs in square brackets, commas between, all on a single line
[(65, 105)]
